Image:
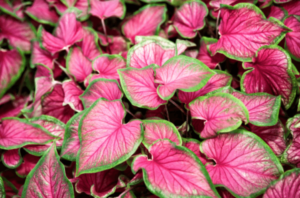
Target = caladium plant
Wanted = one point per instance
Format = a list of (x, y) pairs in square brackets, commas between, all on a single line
[(150, 98)]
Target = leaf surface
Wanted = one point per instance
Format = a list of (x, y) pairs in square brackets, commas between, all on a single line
[(219, 113), (261, 75), (190, 18), (181, 72), (292, 39), (244, 163), (12, 158), (101, 88), (48, 178), (41, 12), (174, 171), (72, 92), (244, 29), (104, 141), (106, 9), (139, 87)]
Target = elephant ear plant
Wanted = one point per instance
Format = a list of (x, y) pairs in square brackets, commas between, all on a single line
[(149, 98)]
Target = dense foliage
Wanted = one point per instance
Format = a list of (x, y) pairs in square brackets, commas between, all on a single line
[(150, 98)]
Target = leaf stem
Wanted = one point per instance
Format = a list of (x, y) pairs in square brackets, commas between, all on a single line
[(131, 114), (199, 34), (187, 121), (178, 107), (168, 117), (105, 33), (217, 24)]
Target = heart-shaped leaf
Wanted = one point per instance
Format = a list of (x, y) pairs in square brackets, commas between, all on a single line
[(262, 78), (100, 184), (54, 126), (48, 178), (108, 65), (292, 39), (145, 22), (288, 185), (16, 133), (204, 55), (67, 32), (106, 9), (104, 141), (274, 136), (158, 130), (72, 92), (219, 80), (71, 143), (245, 164), (41, 12), (12, 65), (181, 72), (263, 108), (190, 18), (291, 154), (139, 87), (101, 88), (78, 65), (219, 113), (174, 171), (12, 158), (244, 29), (17, 33)]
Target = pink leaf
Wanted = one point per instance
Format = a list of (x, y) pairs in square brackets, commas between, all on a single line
[(68, 32), (293, 7), (12, 65), (41, 12), (244, 29), (107, 9), (174, 171), (219, 113), (78, 65), (17, 33), (100, 184), (54, 126), (262, 78), (274, 136), (13, 108), (12, 158), (204, 55), (13, 8), (29, 162), (216, 4), (149, 52), (15, 133), (263, 108), (71, 143), (288, 185), (104, 141), (89, 44), (145, 22), (190, 18), (158, 130), (40, 56), (119, 45), (277, 12), (291, 155), (107, 66), (139, 87), (52, 104), (72, 92), (101, 88), (181, 72), (194, 145), (48, 178), (292, 39), (219, 80), (244, 163)]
